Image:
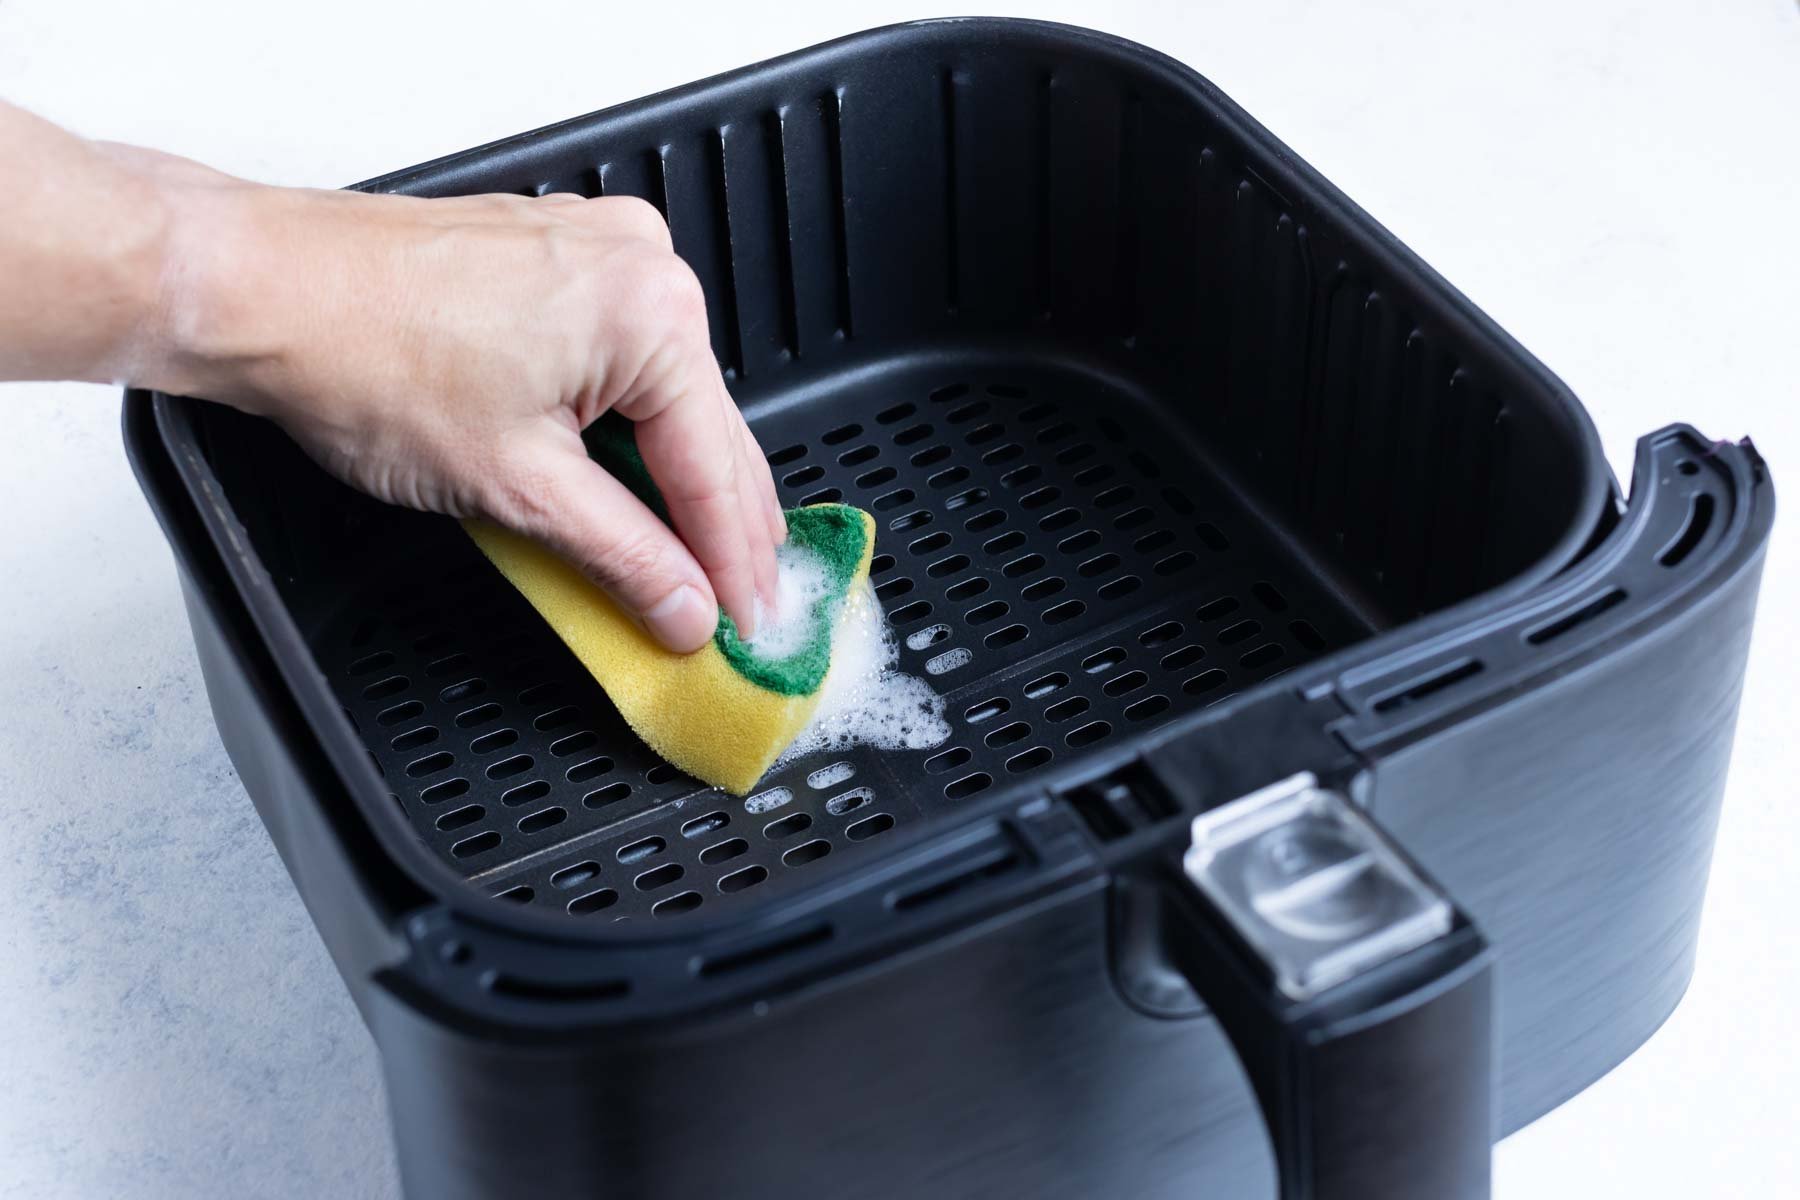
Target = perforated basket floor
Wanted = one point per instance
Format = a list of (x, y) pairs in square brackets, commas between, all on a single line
[(1048, 554)]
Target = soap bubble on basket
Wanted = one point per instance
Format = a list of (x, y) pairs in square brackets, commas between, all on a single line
[(782, 628), (866, 700)]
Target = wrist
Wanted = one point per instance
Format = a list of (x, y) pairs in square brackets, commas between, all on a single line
[(209, 332)]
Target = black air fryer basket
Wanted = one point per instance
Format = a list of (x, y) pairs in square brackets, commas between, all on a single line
[(1336, 754)]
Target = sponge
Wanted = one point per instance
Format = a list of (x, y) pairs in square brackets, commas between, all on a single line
[(723, 714)]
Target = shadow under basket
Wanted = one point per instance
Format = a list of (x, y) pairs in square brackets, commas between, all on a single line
[(1322, 715)]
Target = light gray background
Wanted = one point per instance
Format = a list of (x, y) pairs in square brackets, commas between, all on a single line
[(1616, 182)]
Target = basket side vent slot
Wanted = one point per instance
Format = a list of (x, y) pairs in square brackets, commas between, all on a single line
[(751, 956), (1430, 685), (1122, 803), (579, 991), (998, 858), (1699, 519), (1552, 630)]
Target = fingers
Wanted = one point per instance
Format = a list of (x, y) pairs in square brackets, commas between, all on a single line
[(768, 502), (690, 435), (592, 521), (753, 503), (751, 506), (692, 453), (686, 432)]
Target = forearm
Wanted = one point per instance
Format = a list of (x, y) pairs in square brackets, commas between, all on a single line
[(443, 354), (84, 280)]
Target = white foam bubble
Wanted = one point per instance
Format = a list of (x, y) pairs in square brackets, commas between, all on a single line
[(949, 660), (850, 801), (768, 801), (865, 701), (931, 635), (784, 624), (825, 777)]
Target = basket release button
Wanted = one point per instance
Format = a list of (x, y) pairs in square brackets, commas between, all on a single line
[(1311, 885)]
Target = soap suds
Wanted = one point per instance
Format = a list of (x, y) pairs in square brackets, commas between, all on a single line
[(931, 635), (768, 801), (866, 701), (825, 777), (850, 801), (949, 660), (783, 627)]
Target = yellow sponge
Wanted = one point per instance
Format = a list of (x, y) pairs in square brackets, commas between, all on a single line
[(719, 714)]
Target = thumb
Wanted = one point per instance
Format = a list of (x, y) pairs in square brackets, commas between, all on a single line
[(594, 523)]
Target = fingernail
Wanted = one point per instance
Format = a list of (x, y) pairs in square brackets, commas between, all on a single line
[(780, 530), (681, 620)]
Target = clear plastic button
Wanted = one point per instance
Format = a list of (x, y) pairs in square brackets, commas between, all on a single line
[(1312, 885)]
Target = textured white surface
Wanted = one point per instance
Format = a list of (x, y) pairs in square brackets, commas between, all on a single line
[(1615, 181)]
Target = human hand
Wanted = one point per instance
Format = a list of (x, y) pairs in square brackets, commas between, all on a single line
[(446, 354)]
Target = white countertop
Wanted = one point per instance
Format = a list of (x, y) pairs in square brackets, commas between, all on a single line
[(1616, 182)]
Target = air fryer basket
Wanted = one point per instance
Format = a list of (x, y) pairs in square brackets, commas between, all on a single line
[(1037, 528), (1187, 478), (1136, 437)]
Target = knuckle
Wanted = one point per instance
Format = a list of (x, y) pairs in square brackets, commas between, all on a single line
[(499, 203), (636, 217), (667, 294), (669, 285), (712, 500), (638, 566), (678, 292), (519, 497)]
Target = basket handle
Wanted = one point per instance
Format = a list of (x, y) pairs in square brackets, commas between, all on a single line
[(1358, 998)]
